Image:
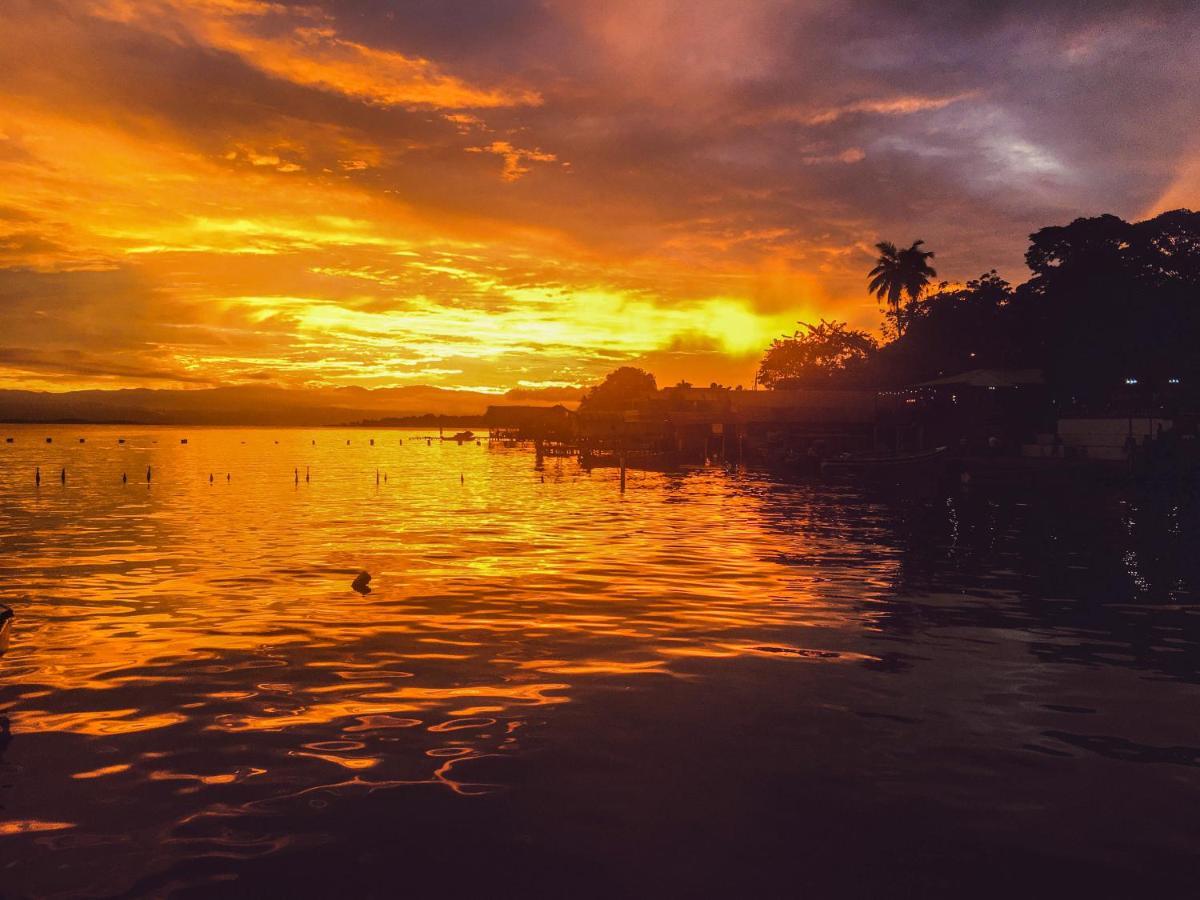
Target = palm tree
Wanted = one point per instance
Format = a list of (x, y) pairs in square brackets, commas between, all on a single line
[(898, 273)]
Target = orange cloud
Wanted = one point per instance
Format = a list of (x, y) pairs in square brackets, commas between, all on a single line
[(514, 158), (303, 47)]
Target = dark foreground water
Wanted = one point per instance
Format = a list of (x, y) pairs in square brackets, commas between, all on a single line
[(715, 685)]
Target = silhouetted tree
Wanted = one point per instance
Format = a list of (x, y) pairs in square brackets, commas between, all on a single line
[(899, 274), (1110, 301), (819, 354), (956, 329), (621, 389)]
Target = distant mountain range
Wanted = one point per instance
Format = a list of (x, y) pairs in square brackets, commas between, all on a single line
[(260, 405)]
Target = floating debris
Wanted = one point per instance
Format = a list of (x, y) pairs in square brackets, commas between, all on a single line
[(183, 440), (361, 582), (801, 652)]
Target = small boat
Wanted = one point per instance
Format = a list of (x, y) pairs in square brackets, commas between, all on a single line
[(6, 620), (462, 436), (854, 465), (590, 460)]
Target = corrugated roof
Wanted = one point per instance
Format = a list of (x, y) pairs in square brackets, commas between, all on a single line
[(988, 378)]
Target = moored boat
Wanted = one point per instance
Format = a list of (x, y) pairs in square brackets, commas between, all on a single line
[(881, 464)]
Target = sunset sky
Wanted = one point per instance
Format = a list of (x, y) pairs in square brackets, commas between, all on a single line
[(528, 193)]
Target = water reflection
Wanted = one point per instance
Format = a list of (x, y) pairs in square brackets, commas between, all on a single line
[(194, 685)]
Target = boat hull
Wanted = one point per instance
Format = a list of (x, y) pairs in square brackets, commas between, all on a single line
[(884, 466)]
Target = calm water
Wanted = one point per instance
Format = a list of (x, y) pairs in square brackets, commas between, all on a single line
[(715, 685)]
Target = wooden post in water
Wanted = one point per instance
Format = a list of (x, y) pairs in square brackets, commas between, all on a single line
[(37, 477), (64, 475), (622, 472), (297, 479), (124, 478), (210, 477), (147, 474), (307, 473)]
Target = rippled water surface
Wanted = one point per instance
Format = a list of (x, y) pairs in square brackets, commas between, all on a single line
[(717, 684)]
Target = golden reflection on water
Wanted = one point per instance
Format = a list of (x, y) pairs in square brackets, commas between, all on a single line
[(193, 684), (218, 615)]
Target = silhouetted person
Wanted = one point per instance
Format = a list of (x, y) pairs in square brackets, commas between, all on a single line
[(6, 621)]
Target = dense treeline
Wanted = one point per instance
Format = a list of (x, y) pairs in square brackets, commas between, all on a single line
[(1107, 300)]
